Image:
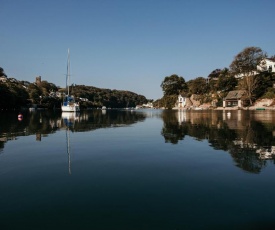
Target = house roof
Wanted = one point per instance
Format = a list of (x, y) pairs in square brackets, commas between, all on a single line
[(236, 94), (270, 59), (183, 94)]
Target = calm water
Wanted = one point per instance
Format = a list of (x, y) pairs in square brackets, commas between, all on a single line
[(146, 169)]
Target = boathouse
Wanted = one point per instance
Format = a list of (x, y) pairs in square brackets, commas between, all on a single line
[(236, 98)]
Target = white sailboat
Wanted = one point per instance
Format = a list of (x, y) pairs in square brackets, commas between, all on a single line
[(69, 104)]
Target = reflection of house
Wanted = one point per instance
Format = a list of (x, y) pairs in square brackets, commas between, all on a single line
[(236, 98), (181, 116), (266, 153)]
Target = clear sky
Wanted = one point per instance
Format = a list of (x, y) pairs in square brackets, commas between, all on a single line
[(129, 44)]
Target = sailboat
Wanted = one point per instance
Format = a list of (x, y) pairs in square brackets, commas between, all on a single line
[(69, 104)]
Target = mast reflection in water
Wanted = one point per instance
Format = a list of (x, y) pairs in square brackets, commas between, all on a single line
[(144, 169)]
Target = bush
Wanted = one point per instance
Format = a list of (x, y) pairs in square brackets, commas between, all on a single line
[(270, 94)]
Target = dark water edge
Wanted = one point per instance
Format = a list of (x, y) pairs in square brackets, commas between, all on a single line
[(137, 170)]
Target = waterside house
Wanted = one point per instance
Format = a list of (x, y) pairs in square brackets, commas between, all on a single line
[(236, 98), (268, 64), (185, 102)]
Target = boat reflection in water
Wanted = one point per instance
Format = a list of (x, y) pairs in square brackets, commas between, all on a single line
[(69, 120), (248, 136), (152, 169)]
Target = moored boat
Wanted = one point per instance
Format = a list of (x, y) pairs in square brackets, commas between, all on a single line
[(69, 104)]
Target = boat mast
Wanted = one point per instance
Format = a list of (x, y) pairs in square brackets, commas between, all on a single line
[(68, 73), (68, 149)]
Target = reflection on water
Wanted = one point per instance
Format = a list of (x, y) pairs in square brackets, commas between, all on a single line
[(145, 169), (247, 135), (42, 123)]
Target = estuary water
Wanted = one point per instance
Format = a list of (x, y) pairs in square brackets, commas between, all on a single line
[(141, 169)]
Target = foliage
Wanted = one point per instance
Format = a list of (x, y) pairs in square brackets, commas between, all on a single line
[(173, 85), (265, 82), (198, 86), (2, 72), (245, 64), (270, 94), (249, 83), (246, 61), (105, 97), (16, 94), (214, 74), (13, 94), (226, 81), (167, 101), (35, 93), (47, 87)]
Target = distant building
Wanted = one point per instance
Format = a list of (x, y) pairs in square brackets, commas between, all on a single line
[(13, 80), (38, 80), (3, 78), (148, 105)]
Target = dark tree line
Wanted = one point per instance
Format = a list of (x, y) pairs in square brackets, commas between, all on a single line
[(17, 94), (98, 97)]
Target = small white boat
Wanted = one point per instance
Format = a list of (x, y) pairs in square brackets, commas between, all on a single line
[(69, 104)]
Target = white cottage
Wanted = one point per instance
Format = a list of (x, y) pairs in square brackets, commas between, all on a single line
[(183, 102), (267, 64)]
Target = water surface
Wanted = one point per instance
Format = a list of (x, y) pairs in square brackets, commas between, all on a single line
[(144, 169)]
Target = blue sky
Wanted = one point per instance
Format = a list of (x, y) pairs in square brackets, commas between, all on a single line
[(129, 44)]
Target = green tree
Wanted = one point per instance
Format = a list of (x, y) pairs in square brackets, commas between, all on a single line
[(198, 85), (47, 87), (214, 74), (265, 80), (173, 85), (246, 62), (35, 93), (245, 65), (226, 81), (2, 72)]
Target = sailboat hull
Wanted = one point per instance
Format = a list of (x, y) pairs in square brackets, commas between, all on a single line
[(70, 108)]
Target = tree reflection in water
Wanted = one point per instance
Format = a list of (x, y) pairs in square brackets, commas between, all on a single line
[(247, 135)]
